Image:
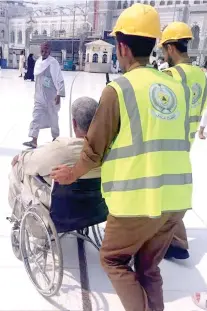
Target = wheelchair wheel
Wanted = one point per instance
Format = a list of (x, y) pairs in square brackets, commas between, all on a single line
[(98, 235), (15, 235), (41, 250)]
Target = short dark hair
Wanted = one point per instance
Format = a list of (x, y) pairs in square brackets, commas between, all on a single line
[(139, 46), (181, 45)]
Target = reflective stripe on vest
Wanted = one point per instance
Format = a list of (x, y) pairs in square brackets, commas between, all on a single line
[(193, 119), (148, 182), (139, 147)]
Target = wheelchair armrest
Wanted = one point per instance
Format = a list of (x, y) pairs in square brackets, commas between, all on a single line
[(41, 181)]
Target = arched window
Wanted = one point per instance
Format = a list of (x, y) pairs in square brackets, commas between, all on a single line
[(20, 37), (95, 58), (119, 5), (2, 34), (12, 37), (36, 32), (2, 12), (125, 4), (185, 2), (152, 3), (177, 2), (169, 3), (87, 58), (196, 37), (104, 58), (62, 32), (132, 2), (54, 33), (162, 2), (145, 2), (205, 44), (44, 32)]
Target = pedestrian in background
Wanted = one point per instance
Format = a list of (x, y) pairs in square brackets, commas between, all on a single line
[(29, 75), (21, 64), (14, 60), (49, 88)]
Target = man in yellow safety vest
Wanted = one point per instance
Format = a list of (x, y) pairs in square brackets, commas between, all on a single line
[(174, 42), (140, 136)]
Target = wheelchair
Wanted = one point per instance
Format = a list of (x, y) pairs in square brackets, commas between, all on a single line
[(36, 232)]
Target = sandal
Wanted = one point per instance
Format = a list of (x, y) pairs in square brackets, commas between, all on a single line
[(30, 144)]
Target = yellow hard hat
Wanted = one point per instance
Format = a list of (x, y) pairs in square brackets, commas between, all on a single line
[(139, 20), (174, 32)]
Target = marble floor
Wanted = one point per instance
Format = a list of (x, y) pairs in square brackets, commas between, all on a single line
[(181, 279)]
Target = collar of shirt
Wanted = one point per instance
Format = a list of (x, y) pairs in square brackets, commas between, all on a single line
[(186, 61), (139, 64)]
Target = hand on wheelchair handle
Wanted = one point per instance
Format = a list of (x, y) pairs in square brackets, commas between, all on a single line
[(63, 175)]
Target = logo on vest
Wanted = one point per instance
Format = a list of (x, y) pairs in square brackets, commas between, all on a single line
[(164, 102), (197, 92)]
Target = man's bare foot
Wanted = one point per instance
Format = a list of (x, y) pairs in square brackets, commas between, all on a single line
[(200, 300), (201, 135)]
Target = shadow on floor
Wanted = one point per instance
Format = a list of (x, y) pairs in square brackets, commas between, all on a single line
[(187, 276), (181, 276)]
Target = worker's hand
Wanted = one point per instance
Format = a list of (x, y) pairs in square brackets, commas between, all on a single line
[(63, 175), (57, 100), (15, 160)]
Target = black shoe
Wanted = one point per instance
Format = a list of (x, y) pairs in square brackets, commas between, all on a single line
[(177, 253), (30, 144)]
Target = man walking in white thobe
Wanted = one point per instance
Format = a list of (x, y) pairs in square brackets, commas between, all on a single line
[(49, 88), (21, 64)]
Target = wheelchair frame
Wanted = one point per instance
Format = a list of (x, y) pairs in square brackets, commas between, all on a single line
[(30, 251)]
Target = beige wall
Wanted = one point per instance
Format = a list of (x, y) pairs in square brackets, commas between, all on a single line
[(97, 67)]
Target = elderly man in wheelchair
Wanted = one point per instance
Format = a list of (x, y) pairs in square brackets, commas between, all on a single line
[(43, 212)]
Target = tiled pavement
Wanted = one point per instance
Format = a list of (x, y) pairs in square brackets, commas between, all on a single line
[(181, 279)]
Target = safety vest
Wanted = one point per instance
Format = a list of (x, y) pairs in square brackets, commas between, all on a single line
[(196, 80), (147, 170)]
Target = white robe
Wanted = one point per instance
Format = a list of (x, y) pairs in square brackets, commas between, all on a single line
[(14, 61), (21, 64), (48, 84), (32, 163), (24, 188)]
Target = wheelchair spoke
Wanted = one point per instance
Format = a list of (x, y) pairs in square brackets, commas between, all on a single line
[(43, 273), (41, 251)]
